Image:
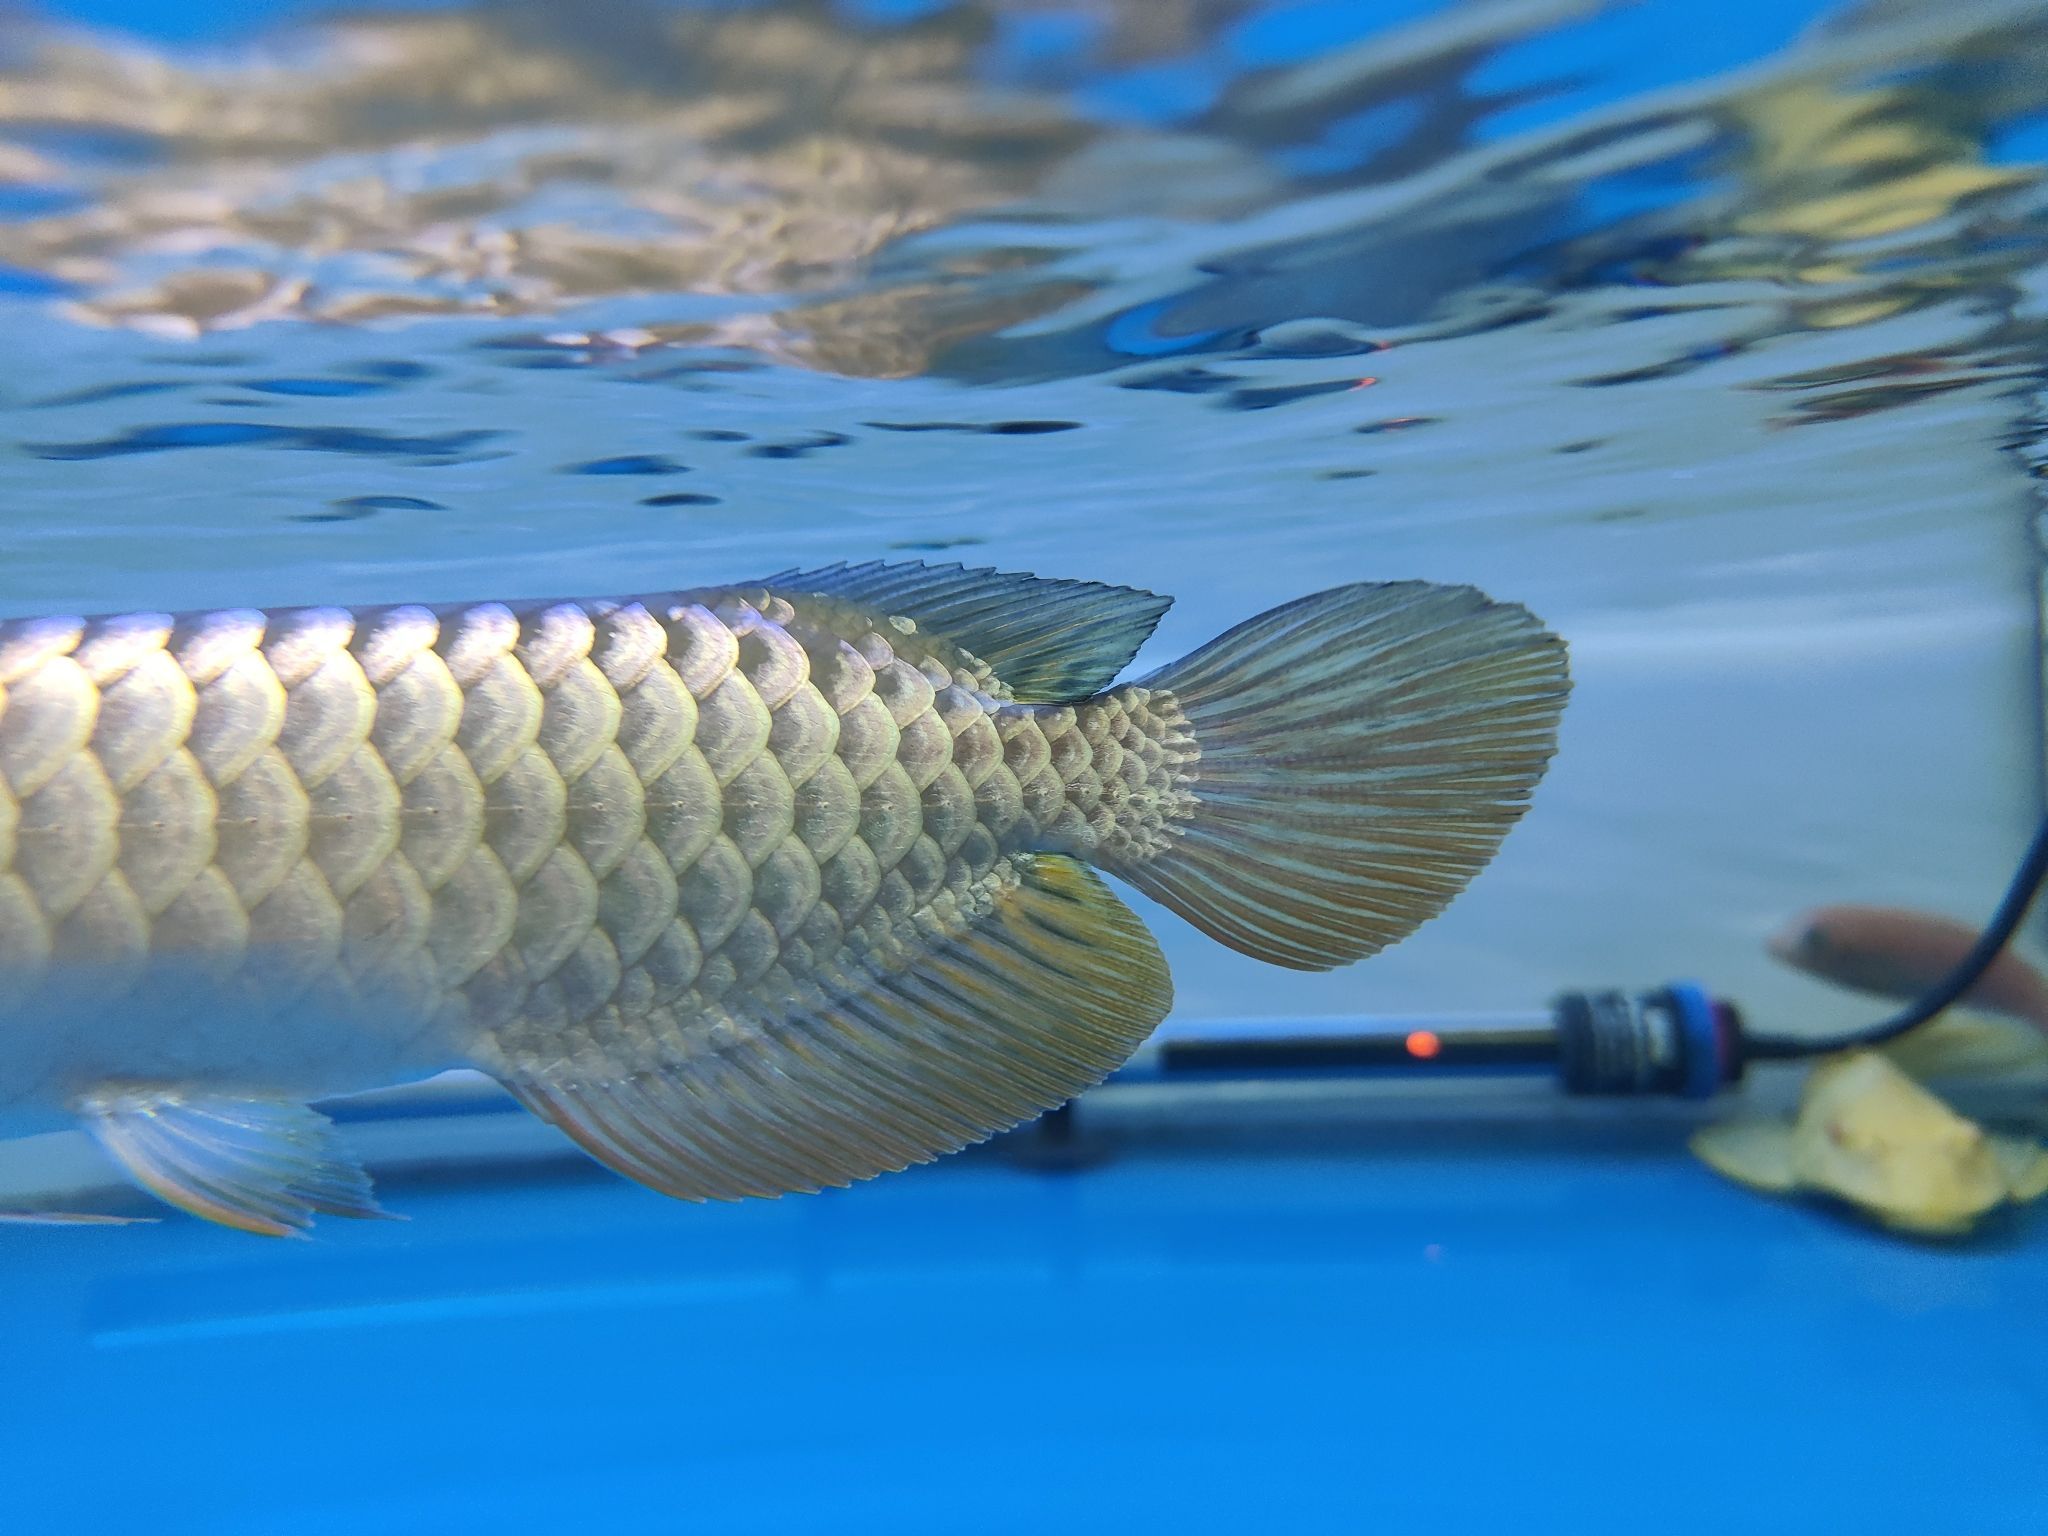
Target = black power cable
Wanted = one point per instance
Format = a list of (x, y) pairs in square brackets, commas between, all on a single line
[(2012, 910)]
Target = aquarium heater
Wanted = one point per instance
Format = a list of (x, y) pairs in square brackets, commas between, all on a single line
[(1675, 1040)]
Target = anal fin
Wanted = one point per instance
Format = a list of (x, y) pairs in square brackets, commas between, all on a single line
[(1005, 1017), (259, 1165)]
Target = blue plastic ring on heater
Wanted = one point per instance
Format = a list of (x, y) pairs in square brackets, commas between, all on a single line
[(1702, 1038)]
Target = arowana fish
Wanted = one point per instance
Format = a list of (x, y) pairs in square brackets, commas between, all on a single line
[(751, 889)]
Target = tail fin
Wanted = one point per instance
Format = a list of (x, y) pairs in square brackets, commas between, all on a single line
[(1360, 754)]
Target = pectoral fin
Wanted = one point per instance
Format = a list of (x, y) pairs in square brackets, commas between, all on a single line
[(68, 1219), (260, 1165)]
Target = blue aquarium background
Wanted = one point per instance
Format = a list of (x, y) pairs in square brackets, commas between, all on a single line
[(1711, 333)]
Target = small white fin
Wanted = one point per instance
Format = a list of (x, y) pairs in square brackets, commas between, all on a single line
[(1048, 641), (260, 1165), (68, 1219), (989, 1025), (1756, 1153)]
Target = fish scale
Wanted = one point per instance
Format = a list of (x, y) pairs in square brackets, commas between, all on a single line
[(748, 890), (485, 816)]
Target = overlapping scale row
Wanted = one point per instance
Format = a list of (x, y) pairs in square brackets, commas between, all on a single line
[(550, 826), (1128, 762)]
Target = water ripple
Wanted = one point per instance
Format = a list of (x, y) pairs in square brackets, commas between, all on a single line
[(446, 447), (1718, 344)]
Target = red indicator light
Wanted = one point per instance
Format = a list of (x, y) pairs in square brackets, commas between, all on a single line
[(1423, 1044)]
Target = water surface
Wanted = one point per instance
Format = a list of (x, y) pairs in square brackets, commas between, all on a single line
[(1710, 336)]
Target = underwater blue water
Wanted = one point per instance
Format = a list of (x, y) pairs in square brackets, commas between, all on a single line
[(1713, 334), (1465, 1332)]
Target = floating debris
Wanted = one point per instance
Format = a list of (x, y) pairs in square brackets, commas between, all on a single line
[(1868, 1134)]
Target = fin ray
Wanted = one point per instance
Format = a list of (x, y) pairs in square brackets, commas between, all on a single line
[(1049, 641), (1358, 757), (33, 1218), (261, 1165), (995, 1022)]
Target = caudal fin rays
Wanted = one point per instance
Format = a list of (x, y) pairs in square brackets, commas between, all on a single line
[(1359, 755)]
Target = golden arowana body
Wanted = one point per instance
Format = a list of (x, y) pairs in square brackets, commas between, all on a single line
[(750, 889)]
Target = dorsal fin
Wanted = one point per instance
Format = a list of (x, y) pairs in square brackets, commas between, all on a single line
[(1048, 641)]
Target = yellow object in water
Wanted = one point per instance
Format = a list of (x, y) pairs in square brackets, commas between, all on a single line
[(1868, 1134)]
